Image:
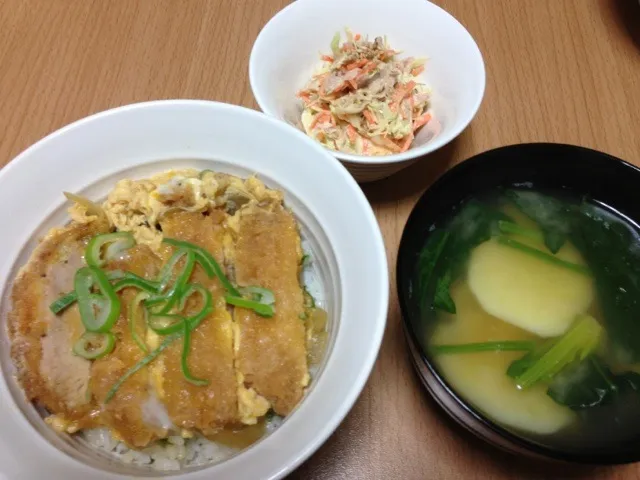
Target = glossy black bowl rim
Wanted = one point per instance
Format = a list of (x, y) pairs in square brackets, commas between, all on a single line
[(460, 169)]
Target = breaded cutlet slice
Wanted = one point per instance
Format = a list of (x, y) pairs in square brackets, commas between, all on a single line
[(271, 354), (129, 414), (41, 349), (206, 408)]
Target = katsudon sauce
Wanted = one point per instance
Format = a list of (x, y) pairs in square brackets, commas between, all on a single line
[(175, 309), (530, 312)]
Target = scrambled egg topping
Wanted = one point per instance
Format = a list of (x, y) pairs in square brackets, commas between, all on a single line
[(250, 405), (137, 205)]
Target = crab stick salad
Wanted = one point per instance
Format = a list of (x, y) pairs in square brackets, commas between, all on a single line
[(364, 100)]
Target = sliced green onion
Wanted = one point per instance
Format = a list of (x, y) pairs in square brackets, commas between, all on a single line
[(260, 308), (186, 346), (134, 319), (63, 302), (258, 294), (175, 292), (166, 274), (208, 263), (166, 324), (97, 312), (499, 346), (115, 244), (94, 345), (116, 274), (544, 256), (69, 298), (141, 364), (207, 307), (186, 293), (133, 280), (155, 300)]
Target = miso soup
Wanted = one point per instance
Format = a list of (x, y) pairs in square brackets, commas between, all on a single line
[(531, 310)]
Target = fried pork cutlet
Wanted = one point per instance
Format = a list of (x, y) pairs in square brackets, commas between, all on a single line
[(271, 354), (207, 408), (52, 376), (129, 414)]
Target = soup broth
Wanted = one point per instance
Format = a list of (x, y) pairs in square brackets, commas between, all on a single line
[(531, 313)]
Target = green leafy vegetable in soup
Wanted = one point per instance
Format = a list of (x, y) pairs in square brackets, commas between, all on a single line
[(447, 251), (533, 308), (612, 250), (590, 383), (548, 212)]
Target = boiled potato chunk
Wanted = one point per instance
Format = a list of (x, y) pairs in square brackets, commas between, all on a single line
[(481, 378), (526, 291)]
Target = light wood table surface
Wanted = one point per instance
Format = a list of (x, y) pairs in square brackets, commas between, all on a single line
[(557, 70)]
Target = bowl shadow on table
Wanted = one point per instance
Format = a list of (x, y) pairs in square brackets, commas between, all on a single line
[(627, 16), (414, 179), (517, 466)]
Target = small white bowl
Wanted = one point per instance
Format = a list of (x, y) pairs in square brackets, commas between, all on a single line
[(287, 50), (135, 141)]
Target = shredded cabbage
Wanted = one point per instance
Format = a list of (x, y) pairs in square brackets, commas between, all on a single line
[(335, 44), (365, 100)]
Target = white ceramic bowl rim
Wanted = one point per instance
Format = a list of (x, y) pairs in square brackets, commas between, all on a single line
[(414, 152), (363, 314)]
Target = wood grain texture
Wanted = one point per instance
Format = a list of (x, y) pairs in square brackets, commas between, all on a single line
[(557, 70)]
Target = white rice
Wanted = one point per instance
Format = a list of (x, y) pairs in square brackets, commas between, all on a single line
[(170, 454), (173, 453)]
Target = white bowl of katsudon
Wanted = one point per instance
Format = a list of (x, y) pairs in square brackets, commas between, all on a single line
[(180, 300)]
